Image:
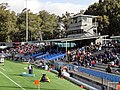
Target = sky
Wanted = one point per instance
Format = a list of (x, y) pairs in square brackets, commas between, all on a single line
[(57, 7)]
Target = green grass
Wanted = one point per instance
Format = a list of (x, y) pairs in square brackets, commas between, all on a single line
[(13, 71)]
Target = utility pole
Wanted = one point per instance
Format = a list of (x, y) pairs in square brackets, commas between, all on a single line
[(26, 22)]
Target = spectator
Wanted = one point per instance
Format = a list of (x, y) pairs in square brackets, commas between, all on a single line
[(30, 68), (109, 69), (93, 63), (2, 59), (60, 72)]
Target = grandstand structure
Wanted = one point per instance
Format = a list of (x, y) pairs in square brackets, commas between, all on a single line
[(88, 75), (81, 31)]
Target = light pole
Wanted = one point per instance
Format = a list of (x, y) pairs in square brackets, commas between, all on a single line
[(26, 23)]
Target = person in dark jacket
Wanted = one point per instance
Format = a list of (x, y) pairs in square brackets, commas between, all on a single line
[(60, 72), (109, 69)]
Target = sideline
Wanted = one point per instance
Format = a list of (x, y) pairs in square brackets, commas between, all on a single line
[(12, 80), (2, 68)]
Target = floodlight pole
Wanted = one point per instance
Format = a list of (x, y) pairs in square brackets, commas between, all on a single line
[(26, 23)]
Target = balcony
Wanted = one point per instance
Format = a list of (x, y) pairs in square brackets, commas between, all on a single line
[(95, 24)]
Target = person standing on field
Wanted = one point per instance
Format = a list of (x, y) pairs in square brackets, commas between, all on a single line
[(2, 59), (60, 72), (30, 68)]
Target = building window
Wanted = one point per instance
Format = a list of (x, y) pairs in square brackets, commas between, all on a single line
[(75, 21), (95, 31), (79, 31), (82, 30), (80, 20), (84, 19)]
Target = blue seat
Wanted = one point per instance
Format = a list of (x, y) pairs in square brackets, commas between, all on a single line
[(99, 74)]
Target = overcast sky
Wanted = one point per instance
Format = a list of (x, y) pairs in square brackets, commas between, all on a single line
[(53, 6)]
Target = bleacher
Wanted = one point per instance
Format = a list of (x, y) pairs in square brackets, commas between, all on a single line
[(100, 74), (55, 56), (38, 54), (41, 56), (86, 86), (104, 75), (51, 56)]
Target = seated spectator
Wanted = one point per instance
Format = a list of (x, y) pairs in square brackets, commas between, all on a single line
[(109, 69), (93, 63), (44, 78)]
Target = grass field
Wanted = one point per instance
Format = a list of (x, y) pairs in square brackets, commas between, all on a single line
[(10, 79)]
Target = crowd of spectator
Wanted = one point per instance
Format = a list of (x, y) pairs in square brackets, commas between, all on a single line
[(22, 52), (95, 53), (85, 56)]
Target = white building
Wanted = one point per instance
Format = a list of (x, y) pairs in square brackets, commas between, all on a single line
[(82, 26)]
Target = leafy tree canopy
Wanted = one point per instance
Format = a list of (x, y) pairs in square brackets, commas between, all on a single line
[(109, 12)]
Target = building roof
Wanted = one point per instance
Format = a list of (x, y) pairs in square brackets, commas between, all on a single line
[(70, 39), (81, 15), (115, 37), (74, 39)]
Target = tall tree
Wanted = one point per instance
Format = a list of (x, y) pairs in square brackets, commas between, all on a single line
[(7, 23), (109, 10), (47, 24), (32, 25), (60, 28), (11, 27), (66, 21), (21, 23)]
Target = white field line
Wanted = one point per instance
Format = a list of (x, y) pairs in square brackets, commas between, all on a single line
[(12, 80), (2, 68)]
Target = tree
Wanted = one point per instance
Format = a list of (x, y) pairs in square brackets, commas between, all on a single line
[(11, 27), (66, 21), (7, 23), (47, 24), (100, 1), (32, 25), (109, 11), (21, 24)]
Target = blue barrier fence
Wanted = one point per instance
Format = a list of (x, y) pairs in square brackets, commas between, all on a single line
[(51, 56), (99, 74), (38, 54)]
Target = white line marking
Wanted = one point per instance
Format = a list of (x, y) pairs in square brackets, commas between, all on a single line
[(12, 80), (2, 68)]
